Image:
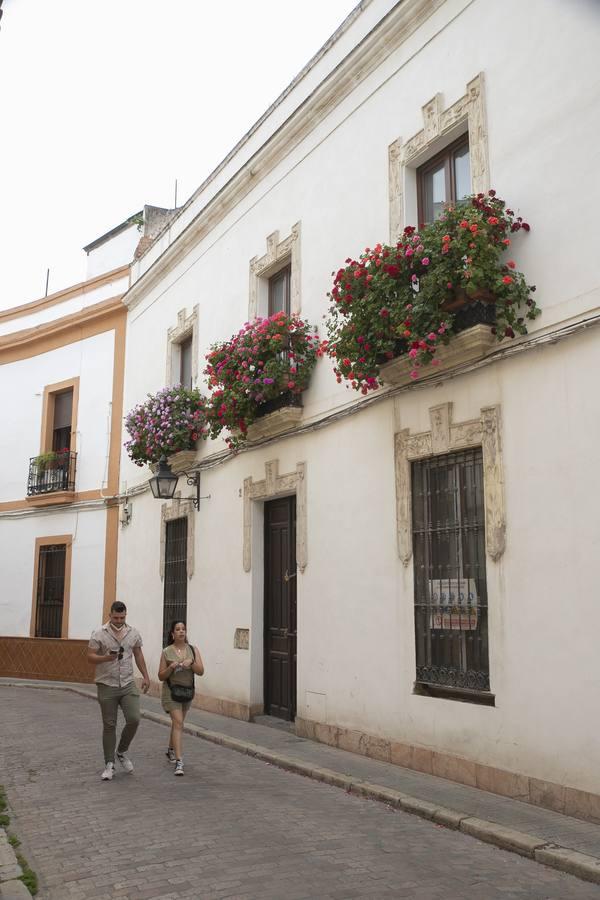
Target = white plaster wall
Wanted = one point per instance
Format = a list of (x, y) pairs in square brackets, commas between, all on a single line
[(355, 600), (118, 251), (22, 389), (18, 533), (70, 305)]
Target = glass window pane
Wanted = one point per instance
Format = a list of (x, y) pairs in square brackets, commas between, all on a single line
[(63, 409), (185, 363), (279, 292), (435, 193), (462, 173)]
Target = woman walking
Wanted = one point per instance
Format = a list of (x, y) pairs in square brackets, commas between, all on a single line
[(179, 662)]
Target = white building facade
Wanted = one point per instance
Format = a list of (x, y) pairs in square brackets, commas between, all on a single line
[(61, 377), (324, 516)]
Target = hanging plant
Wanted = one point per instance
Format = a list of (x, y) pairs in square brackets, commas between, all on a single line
[(165, 423), (405, 299), (267, 359)]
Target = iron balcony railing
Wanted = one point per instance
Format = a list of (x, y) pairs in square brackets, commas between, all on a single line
[(48, 474)]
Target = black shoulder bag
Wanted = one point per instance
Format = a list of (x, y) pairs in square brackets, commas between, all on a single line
[(183, 693)]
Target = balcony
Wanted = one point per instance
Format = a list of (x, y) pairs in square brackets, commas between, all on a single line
[(52, 476)]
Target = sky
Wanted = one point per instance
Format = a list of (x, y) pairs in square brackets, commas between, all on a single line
[(105, 103)]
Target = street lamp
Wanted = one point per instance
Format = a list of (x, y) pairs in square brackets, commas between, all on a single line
[(163, 484)]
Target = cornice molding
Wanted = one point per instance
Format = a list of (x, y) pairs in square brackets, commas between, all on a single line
[(76, 290), (50, 335), (402, 21)]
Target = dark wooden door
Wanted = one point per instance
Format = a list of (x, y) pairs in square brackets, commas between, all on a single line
[(280, 608)]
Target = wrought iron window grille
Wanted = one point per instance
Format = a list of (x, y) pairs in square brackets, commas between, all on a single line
[(451, 622)]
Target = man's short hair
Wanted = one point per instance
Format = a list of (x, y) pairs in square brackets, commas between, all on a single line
[(118, 607)]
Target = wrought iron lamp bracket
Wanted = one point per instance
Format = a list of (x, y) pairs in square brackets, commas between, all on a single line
[(193, 480)]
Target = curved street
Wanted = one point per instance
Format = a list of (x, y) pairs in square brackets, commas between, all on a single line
[(234, 827)]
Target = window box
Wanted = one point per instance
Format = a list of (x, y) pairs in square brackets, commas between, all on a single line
[(179, 462), (473, 341), (276, 416)]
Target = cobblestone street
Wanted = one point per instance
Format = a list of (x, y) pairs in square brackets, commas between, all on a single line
[(234, 827)]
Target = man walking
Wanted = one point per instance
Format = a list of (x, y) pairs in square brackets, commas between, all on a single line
[(111, 649)]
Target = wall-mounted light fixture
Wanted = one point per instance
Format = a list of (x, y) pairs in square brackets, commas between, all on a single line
[(164, 482)]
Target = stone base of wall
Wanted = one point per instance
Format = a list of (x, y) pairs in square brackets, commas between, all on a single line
[(219, 705), (560, 798), (45, 659)]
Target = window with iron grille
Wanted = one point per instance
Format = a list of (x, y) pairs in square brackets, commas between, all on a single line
[(175, 596), (50, 590), (451, 622)]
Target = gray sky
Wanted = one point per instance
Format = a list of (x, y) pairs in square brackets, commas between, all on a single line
[(106, 102)]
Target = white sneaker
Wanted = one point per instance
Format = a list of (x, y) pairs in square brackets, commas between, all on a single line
[(125, 762), (109, 772), (178, 768)]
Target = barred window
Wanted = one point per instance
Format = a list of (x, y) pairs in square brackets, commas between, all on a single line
[(50, 591), (451, 622), (175, 597)]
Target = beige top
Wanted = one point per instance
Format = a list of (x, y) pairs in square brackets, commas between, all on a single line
[(184, 677), (115, 673)]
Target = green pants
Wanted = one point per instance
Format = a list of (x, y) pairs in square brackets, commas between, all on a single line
[(110, 698)]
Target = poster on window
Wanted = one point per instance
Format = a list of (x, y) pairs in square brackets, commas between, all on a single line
[(453, 604)]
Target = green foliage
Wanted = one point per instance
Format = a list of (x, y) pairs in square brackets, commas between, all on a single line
[(29, 878), (171, 420), (400, 299), (264, 360)]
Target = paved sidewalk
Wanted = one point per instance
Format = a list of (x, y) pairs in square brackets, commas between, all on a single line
[(559, 841)]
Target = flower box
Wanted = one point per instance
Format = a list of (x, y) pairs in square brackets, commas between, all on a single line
[(467, 346), (416, 298), (180, 462), (276, 422)]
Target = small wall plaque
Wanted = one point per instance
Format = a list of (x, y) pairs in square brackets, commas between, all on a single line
[(241, 639)]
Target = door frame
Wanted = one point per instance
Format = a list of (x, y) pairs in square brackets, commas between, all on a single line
[(255, 493), (293, 674)]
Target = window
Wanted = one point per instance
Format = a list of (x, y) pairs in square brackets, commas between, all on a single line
[(451, 625), (444, 179), (50, 597), (62, 421), (176, 575), (279, 291), (185, 362)]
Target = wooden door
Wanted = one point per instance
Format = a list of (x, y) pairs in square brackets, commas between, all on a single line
[(280, 608)]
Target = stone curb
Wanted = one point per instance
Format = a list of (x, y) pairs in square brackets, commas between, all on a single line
[(565, 860), (14, 890), (10, 887)]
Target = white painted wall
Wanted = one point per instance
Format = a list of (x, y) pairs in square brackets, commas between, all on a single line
[(22, 388), (355, 600), (115, 252), (18, 533)]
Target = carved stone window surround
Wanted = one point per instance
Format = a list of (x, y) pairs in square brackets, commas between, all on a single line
[(275, 485), (279, 253), (440, 127), (177, 509), (186, 326), (444, 437)]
